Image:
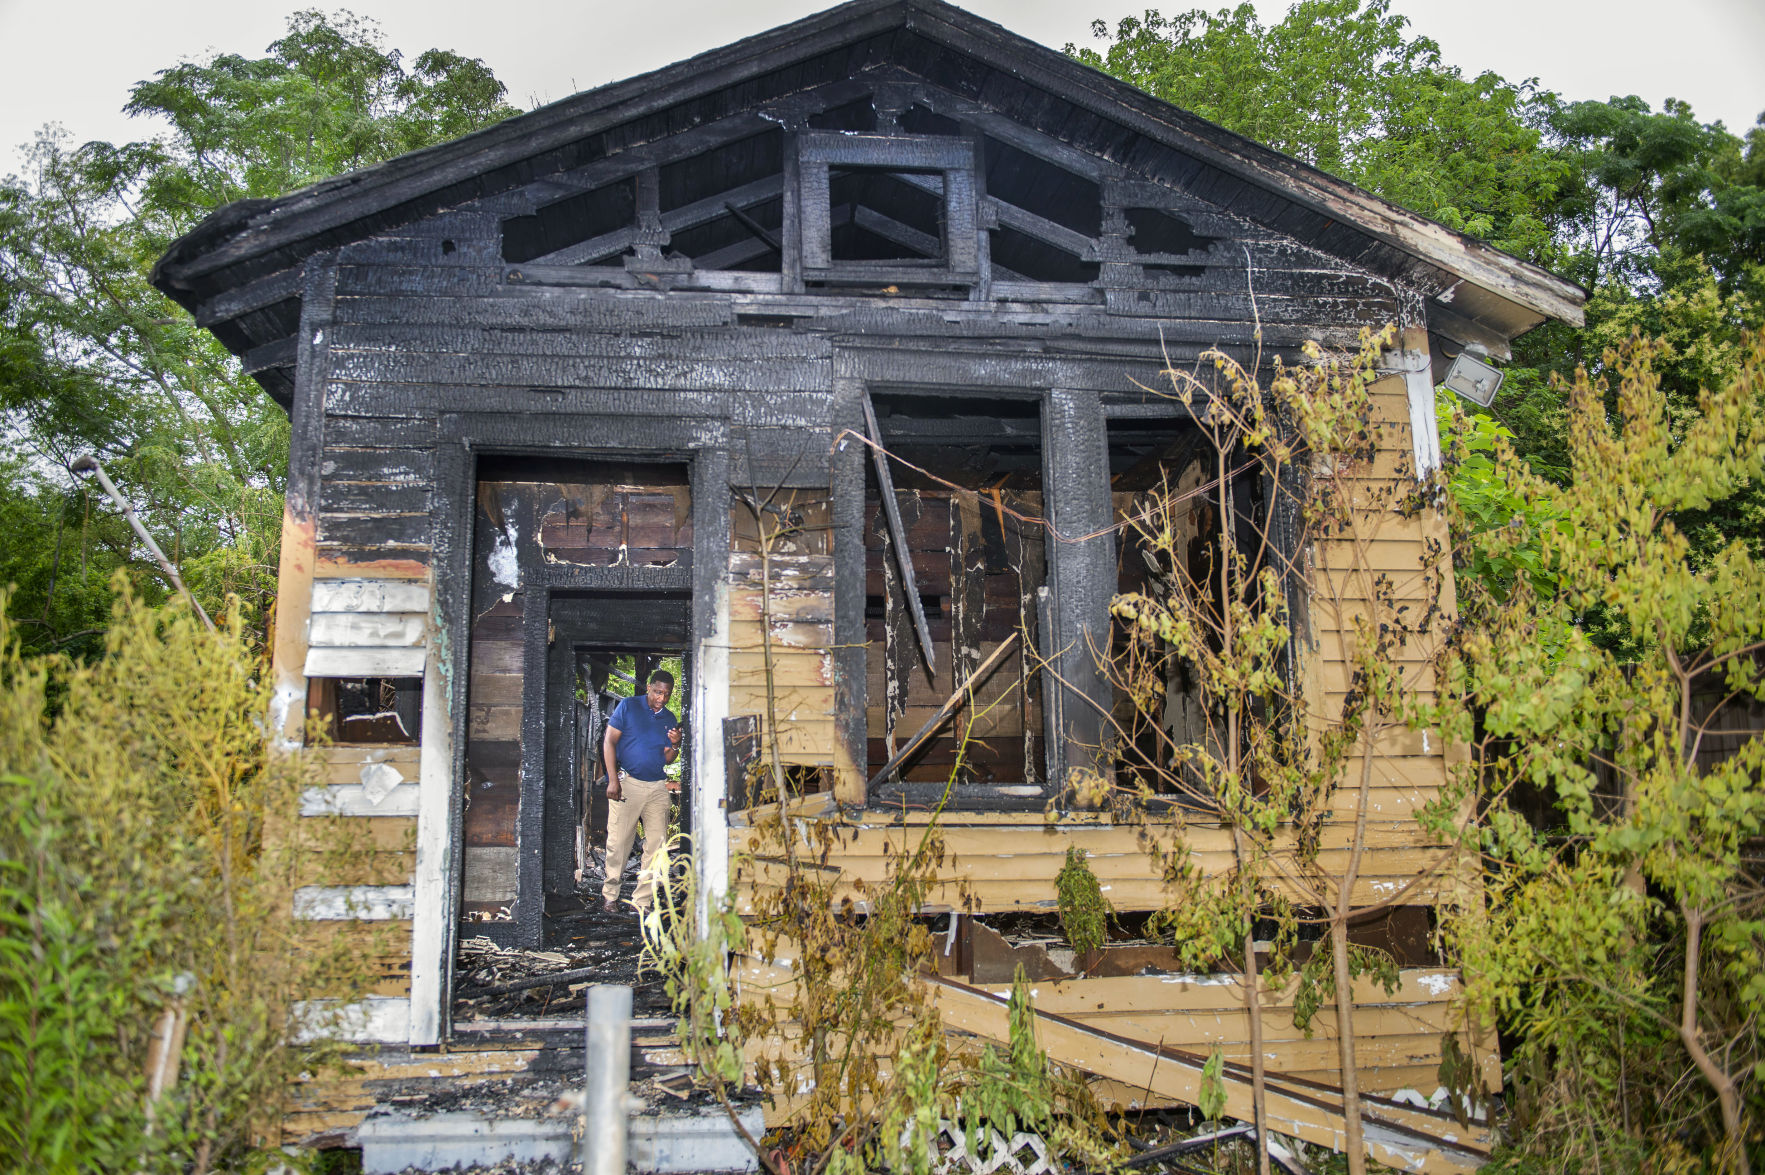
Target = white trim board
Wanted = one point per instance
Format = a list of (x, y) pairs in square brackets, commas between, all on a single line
[(370, 595), (375, 662)]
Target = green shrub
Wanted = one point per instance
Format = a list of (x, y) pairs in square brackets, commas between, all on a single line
[(134, 794)]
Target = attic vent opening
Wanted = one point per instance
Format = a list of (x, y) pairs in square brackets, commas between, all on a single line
[(888, 209), (881, 215)]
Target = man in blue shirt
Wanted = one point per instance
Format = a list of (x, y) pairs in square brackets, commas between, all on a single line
[(643, 737)]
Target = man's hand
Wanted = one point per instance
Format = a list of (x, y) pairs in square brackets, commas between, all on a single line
[(674, 737), (610, 756)]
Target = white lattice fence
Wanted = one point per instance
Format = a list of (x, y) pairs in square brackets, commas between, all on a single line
[(1021, 1154)]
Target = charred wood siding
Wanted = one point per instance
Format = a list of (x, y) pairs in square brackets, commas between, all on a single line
[(717, 266)]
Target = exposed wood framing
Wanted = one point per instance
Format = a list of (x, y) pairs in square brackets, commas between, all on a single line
[(880, 462)]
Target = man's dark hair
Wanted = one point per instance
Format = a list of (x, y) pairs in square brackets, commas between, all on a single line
[(663, 676)]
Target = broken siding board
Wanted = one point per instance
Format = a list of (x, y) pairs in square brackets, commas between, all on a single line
[(359, 903), (366, 630), (1396, 1034), (337, 1100), (990, 895), (354, 800)]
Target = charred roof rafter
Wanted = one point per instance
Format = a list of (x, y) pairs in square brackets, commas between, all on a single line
[(946, 66)]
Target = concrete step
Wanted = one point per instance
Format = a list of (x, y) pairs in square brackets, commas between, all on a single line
[(680, 1142)]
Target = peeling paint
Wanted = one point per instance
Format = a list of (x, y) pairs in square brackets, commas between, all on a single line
[(505, 566)]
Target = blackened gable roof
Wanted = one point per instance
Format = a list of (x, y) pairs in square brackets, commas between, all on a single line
[(1043, 89)]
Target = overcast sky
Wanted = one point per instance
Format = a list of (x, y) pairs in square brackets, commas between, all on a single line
[(73, 61)]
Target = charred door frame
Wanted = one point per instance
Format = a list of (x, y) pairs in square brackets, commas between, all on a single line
[(628, 429)]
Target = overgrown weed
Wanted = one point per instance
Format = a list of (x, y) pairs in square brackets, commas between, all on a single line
[(138, 844)]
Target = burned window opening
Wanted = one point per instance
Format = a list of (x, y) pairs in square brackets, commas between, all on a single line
[(971, 514), (367, 710), (1165, 475)]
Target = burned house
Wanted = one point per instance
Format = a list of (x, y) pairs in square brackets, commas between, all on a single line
[(541, 377)]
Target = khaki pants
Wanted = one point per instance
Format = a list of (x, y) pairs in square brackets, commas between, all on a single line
[(645, 800)]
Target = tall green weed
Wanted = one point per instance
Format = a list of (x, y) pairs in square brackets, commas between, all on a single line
[(135, 795)]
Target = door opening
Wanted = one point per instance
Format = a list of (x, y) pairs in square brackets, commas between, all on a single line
[(581, 586)]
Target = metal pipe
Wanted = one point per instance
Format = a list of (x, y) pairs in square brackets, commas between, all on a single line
[(86, 463), (608, 1046)]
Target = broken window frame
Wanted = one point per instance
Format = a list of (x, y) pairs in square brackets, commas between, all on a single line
[(1006, 795), (1247, 497), (322, 707)]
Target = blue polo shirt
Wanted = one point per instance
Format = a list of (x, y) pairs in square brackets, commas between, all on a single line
[(643, 736)]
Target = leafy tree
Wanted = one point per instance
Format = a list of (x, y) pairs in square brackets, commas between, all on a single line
[(92, 358), (1624, 943), (1345, 88), (136, 877)]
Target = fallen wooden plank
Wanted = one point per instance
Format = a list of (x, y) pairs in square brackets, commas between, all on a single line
[(950, 706), (1399, 1136)]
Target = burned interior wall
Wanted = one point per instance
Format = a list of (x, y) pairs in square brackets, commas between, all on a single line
[(533, 519), (781, 604), (971, 547)]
